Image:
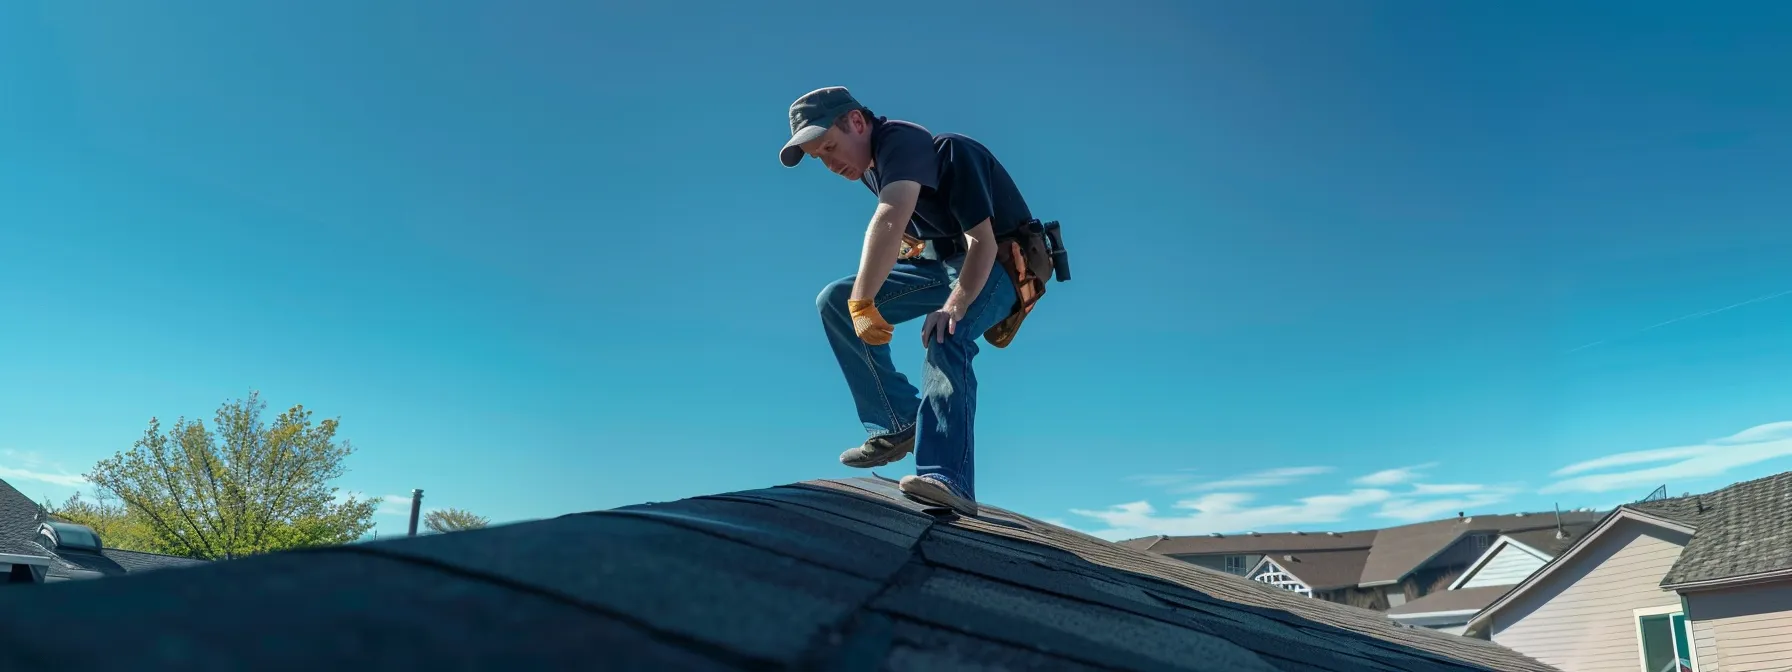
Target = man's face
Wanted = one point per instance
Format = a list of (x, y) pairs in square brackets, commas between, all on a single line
[(845, 148)]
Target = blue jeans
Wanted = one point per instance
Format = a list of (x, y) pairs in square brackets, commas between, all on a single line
[(946, 405)]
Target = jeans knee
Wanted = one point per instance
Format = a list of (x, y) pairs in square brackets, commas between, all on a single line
[(832, 299)]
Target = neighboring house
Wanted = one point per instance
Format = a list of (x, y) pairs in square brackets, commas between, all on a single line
[(1372, 569), (1694, 583), (36, 549), (822, 575), (1512, 557)]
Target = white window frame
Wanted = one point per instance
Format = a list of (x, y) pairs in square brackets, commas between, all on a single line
[(1242, 568), (1636, 624)]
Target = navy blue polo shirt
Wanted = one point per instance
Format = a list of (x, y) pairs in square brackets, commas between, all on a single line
[(962, 183)]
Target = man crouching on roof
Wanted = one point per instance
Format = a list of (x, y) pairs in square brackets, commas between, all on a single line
[(957, 199)]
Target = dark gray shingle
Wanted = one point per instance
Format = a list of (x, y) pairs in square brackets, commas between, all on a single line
[(1742, 529), (821, 575)]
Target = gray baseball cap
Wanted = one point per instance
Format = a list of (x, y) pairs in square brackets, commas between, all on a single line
[(811, 116)]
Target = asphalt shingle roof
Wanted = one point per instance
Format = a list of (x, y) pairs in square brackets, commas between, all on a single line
[(1400, 550), (1392, 552), (1452, 600), (113, 562), (1324, 570), (18, 518), (1742, 529), (842, 575)]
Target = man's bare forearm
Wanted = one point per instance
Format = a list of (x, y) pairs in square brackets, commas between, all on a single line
[(979, 261), (883, 243), (883, 238)]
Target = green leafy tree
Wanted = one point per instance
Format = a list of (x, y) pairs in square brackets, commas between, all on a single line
[(240, 488), (451, 520), (117, 526)]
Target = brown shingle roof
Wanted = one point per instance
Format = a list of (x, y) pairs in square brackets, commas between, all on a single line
[(1452, 600), (1742, 529), (1400, 550), (1324, 570), (1265, 542), (1545, 539), (1393, 553)]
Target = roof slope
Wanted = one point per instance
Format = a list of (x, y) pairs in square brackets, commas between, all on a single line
[(1400, 550), (823, 574), (1743, 529), (1462, 599), (18, 521), (112, 562), (1261, 542), (1545, 539), (1324, 570)]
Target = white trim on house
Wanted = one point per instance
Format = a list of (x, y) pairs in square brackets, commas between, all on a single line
[(1610, 521), (1292, 583), (1487, 556), (25, 559)]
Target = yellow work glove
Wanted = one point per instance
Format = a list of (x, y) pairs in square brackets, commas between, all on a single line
[(867, 323)]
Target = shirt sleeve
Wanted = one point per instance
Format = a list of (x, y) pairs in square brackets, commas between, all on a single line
[(906, 153), (964, 174)]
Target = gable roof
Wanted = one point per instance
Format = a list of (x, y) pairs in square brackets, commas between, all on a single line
[(1545, 544), (1619, 515), (1744, 533), (823, 574), (1320, 570), (1399, 551), (1393, 552)]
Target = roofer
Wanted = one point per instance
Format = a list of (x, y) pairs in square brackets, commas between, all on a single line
[(950, 240)]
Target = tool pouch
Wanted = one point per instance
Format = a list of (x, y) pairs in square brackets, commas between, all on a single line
[(1024, 255)]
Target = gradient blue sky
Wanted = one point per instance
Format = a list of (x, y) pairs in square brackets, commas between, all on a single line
[(539, 257)]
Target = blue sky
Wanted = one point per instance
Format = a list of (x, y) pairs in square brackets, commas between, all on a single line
[(1338, 267)]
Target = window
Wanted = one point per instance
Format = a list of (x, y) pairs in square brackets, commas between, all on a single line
[(1235, 564), (1664, 640), (1481, 541)]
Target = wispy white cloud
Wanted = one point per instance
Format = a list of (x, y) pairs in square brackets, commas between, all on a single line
[(395, 505), (1395, 476), (1418, 504), (33, 466), (1226, 512), (1261, 479), (1711, 458), (1230, 510), (67, 480)]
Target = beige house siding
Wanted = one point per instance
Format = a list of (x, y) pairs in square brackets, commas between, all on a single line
[(1704, 638), (1745, 629), (1507, 567), (1579, 619)]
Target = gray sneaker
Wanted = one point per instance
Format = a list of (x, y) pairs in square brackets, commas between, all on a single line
[(878, 451), (937, 492)]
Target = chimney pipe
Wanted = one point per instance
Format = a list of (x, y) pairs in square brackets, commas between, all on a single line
[(1560, 533), (416, 505)]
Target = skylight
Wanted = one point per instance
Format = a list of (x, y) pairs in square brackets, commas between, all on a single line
[(70, 535)]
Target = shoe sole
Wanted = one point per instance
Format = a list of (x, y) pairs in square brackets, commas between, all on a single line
[(892, 456), (927, 492)]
